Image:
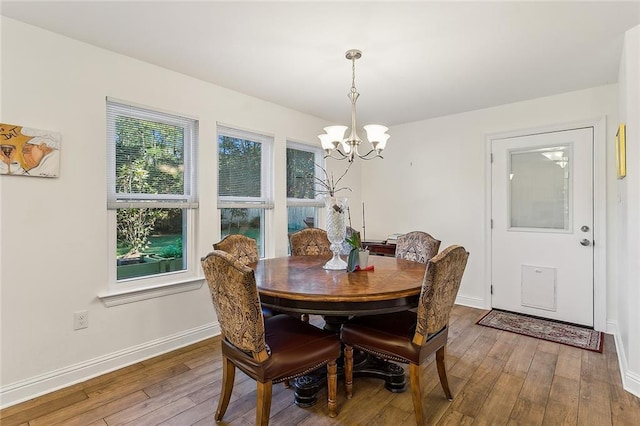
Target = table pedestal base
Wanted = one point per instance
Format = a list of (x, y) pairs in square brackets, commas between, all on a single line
[(364, 365)]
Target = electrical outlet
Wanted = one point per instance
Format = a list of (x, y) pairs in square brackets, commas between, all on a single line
[(80, 320)]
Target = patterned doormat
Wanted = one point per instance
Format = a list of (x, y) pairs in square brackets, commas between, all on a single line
[(553, 331)]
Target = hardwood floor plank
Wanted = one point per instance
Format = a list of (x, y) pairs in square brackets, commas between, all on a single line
[(500, 402), (391, 415), (557, 413), (549, 347), (496, 378), (97, 412), (569, 364), (455, 418), (526, 413), (475, 392), (368, 397), (147, 406), (99, 422), (22, 413), (163, 413), (537, 384), (595, 403), (202, 412), (504, 345), (196, 378), (436, 403), (138, 380), (469, 361), (565, 391), (520, 360), (113, 378)]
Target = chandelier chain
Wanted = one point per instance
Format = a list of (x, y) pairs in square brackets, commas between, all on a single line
[(353, 75)]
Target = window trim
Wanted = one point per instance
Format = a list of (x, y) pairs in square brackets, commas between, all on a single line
[(149, 286), (320, 162), (267, 191), (266, 167)]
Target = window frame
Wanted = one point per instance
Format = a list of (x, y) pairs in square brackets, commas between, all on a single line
[(139, 288), (316, 203), (319, 162), (266, 199)]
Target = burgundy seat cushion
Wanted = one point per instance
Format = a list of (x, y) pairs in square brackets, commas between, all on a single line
[(295, 348)]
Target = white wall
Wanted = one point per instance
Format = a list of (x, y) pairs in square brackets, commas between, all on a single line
[(54, 231), (626, 323), (441, 166)]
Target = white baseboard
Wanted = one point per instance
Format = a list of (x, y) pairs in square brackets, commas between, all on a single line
[(24, 390), (472, 302), (630, 379)]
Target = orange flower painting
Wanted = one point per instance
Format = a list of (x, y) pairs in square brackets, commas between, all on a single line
[(26, 151)]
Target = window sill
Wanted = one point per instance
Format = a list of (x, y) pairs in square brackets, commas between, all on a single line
[(116, 298)]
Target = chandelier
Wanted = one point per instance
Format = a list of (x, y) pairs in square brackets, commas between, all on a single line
[(334, 142)]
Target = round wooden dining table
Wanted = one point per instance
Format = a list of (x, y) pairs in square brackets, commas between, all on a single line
[(300, 285)]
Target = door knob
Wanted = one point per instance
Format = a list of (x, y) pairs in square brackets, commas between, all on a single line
[(585, 242)]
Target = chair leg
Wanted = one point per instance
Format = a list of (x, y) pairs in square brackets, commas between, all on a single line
[(348, 370), (263, 409), (416, 394), (332, 387), (442, 373), (228, 376)]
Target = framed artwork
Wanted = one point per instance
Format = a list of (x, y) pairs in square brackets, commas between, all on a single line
[(25, 151), (621, 152)]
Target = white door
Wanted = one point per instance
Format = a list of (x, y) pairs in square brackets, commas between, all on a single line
[(542, 216)]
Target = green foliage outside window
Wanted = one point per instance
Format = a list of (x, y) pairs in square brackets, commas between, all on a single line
[(149, 160)]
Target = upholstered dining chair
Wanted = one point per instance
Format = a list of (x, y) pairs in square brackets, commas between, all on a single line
[(242, 248), (409, 337), (245, 250), (417, 246), (309, 242), (268, 350)]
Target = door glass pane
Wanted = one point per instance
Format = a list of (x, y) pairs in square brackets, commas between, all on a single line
[(539, 188)]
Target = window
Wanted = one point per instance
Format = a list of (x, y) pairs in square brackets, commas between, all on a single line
[(151, 193), (244, 183), (302, 204)]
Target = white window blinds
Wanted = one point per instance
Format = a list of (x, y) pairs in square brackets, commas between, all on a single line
[(244, 169), (151, 158)]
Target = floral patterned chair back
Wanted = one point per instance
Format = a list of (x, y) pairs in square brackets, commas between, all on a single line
[(242, 248), (417, 246), (309, 242), (235, 297), (439, 289)]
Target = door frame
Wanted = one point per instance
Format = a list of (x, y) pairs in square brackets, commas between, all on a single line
[(599, 208)]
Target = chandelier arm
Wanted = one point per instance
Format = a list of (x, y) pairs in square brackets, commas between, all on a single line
[(366, 156), (337, 150)]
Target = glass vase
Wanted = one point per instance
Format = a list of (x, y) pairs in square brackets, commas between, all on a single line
[(336, 230)]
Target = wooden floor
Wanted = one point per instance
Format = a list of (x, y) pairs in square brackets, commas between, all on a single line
[(496, 378)]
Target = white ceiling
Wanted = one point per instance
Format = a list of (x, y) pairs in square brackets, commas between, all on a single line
[(420, 59)]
